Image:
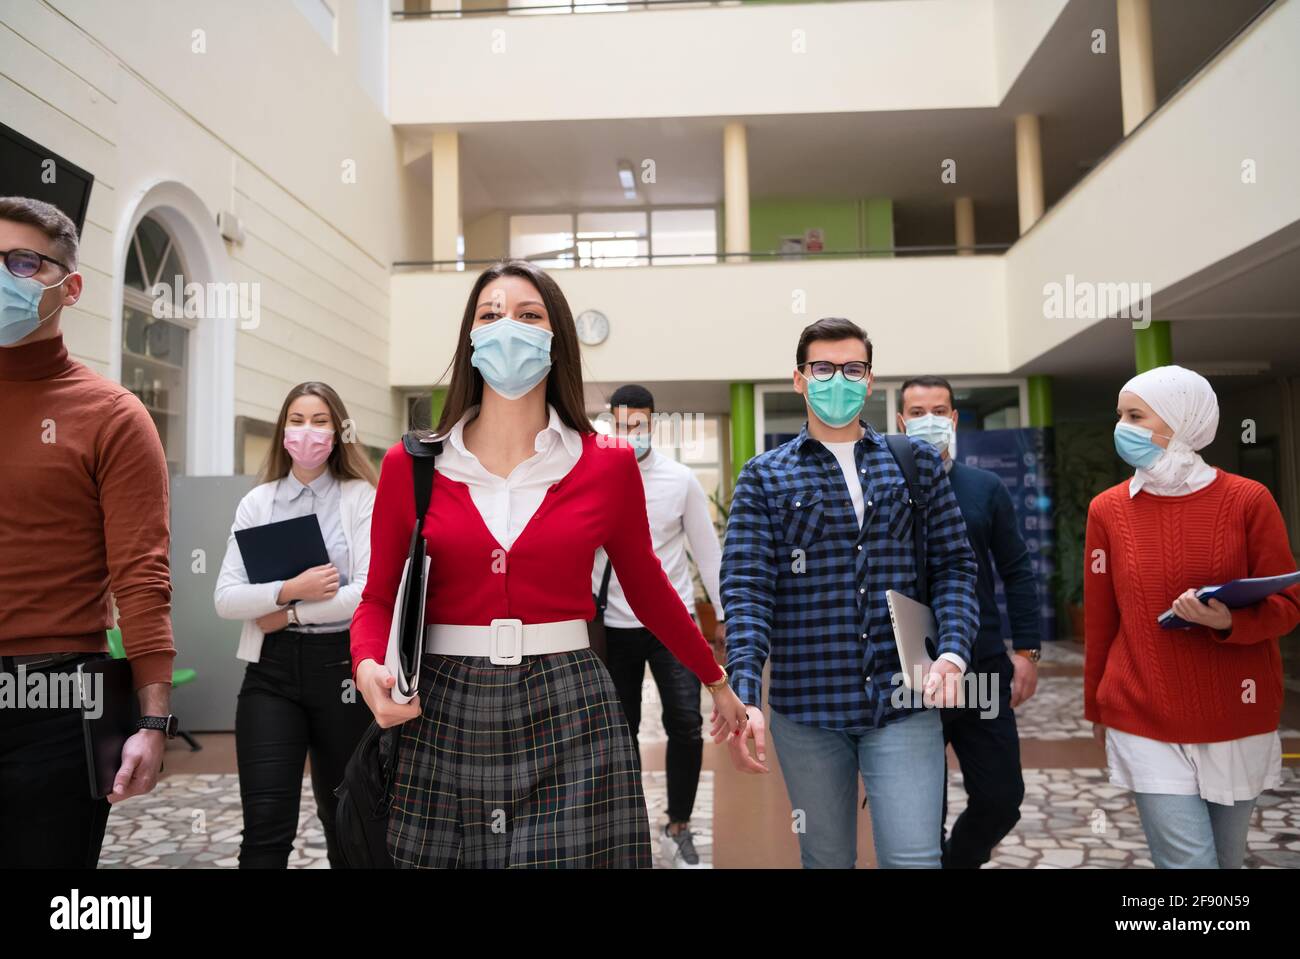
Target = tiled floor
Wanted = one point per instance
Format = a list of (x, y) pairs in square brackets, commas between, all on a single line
[(194, 820), (1071, 816)]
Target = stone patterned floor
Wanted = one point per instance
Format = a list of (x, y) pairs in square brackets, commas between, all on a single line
[(194, 821), (1071, 818)]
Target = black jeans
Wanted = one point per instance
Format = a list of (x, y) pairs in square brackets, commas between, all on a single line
[(628, 650), (988, 751), (298, 700), (48, 818)]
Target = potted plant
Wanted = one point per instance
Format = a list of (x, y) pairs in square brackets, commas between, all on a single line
[(1085, 465)]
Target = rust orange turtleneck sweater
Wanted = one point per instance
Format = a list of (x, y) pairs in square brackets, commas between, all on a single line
[(83, 510), (1184, 686)]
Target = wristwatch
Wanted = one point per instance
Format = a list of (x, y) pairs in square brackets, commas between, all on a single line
[(292, 614), (1033, 655), (164, 724)]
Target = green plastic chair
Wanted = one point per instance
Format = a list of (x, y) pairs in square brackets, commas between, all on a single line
[(180, 677)]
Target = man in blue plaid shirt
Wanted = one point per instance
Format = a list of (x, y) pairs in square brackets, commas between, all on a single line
[(819, 529)]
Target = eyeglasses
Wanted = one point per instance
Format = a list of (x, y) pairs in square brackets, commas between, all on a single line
[(823, 369), (28, 262)]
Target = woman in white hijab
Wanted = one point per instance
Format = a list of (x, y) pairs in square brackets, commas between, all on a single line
[(1189, 717)]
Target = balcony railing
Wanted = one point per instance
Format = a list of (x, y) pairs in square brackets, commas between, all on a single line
[(471, 8), (680, 259)]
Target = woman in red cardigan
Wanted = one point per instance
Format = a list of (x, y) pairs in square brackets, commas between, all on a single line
[(516, 751), (1189, 717)]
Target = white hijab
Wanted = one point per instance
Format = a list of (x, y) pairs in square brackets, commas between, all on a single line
[(1186, 401)]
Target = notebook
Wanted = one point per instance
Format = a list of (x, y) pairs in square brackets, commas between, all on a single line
[(1234, 595), (108, 713), (282, 550)]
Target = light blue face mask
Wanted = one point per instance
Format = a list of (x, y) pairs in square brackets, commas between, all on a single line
[(639, 442), (513, 357), (938, 431), (20, 306), (1135, 445)]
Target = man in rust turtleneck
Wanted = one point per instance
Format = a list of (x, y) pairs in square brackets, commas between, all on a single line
[(83, 524)]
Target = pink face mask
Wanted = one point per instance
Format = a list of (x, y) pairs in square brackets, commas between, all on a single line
[(309, 447)]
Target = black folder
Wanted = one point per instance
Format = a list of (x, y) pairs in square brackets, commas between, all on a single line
[(108, 713), (280, 551)]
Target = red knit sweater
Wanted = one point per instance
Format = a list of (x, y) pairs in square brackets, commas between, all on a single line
[(545, 576), (1184, 686)]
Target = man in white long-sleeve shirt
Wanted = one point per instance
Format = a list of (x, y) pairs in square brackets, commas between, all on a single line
[(679, 519)]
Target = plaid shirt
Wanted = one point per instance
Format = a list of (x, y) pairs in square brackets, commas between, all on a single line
[(802, 582)]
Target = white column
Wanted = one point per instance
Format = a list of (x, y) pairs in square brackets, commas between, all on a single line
[(735, 187), (1137, 70), (963, 210), (446, 196), (1029, 170)]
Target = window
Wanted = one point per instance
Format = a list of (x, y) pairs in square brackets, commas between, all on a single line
[(984, 407), (694, 439), (602, 238), (616, 238), (546, 239), (684, 232), (155, 351)]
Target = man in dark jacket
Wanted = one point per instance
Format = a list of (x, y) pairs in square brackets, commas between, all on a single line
[(983, 735)]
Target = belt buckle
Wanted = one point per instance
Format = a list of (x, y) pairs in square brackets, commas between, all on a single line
[(495, 644)]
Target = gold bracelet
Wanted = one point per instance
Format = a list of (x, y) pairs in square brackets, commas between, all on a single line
[(720, 683)]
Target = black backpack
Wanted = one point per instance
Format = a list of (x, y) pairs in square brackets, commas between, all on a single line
[(901, 447), (364, 796)]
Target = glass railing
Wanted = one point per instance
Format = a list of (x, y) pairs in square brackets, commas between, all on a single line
[(552, 262), (442, 9)]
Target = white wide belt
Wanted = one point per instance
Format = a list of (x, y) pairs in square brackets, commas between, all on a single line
[(506, 641)]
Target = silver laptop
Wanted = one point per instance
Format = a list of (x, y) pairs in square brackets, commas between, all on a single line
[(913, 625)]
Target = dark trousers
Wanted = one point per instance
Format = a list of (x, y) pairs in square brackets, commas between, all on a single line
[(988, 751), (47, 816), (298, 700), (627, 652)]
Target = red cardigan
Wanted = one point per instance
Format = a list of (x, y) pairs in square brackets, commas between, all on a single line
[(1184, 686), (545, 576)]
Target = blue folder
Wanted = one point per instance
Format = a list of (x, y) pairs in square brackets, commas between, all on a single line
[(1234, 595)]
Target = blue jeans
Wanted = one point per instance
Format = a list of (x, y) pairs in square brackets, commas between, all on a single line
[(1187, 832), (902, 767)]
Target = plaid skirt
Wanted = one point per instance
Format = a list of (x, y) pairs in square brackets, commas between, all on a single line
[(527, 766)]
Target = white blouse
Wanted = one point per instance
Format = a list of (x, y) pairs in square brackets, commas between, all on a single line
[(507, 504), (1226, 772)]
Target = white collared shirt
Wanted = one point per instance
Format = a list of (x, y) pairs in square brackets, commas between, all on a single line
[(507, 504), (678, 512), (321, 496)]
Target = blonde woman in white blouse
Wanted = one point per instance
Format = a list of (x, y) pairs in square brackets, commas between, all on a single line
[(296, 699)]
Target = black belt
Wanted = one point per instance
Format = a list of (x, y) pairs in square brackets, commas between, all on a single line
[(10, 664)]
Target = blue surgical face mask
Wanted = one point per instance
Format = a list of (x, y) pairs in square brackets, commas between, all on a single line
[(938, 431), (1135, 445), (513, 357), (20, 306), (639, 442)]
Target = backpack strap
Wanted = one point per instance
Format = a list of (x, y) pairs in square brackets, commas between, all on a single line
[(423, 453), (602, 598), (901, 448)]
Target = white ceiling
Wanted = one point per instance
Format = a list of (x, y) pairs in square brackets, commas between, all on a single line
[(1238, 316), (897, 154)]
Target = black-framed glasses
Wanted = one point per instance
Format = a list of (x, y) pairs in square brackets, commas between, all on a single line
[(824, 369), (27, 263)]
